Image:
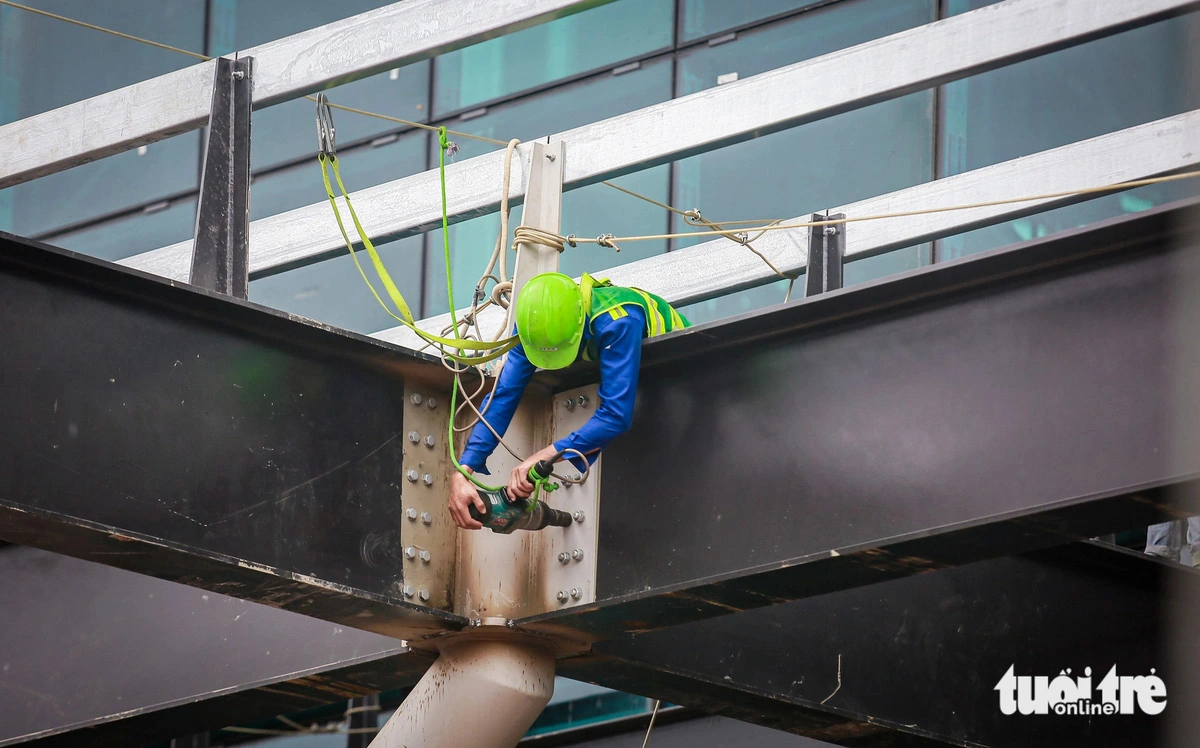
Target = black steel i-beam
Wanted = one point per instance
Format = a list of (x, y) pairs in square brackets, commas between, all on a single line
[(1019, 399), (204, 439), (915, 661), (98, 656)]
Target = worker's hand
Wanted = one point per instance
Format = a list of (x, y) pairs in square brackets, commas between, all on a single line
[(462, 495), (519, 484)]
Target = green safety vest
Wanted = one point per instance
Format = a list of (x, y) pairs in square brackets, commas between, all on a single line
[(600, 296)]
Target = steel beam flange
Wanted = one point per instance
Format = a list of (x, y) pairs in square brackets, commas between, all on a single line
[(427, 534), (570, 579)]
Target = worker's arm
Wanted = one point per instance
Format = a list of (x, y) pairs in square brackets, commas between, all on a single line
[(619, 347), (498, 408)]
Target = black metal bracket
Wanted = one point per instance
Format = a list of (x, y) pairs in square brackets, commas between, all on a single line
[(221, 249), (826, 248)]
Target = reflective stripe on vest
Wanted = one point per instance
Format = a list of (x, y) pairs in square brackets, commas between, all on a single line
[(601, 297)]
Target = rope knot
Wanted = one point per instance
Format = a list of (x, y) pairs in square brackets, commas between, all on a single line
[(607, 240)]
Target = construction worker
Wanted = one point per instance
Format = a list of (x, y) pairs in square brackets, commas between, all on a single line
[(556, 321)]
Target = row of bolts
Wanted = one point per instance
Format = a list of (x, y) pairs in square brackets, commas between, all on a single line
[(426, 518)]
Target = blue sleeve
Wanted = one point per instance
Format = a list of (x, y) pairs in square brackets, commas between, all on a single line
[(500, 406), (619, 347)]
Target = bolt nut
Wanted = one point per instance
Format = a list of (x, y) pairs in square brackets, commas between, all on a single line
[(577, 554), (416, 398), (414, 436), (576, 593), (830, 230), (426, 518), (569, 404), (564, 557), (510, 623), (476, 622), (411, 513), (409, 591), (432, 403), (562, 596), (430, 441), (578, 515), (426, 557), (582, 401), (427, 479), (423, 594), (412, 476), (410, 553)]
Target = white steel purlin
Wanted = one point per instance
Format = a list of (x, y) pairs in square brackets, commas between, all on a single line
[(886, 68), (327, 56), (719, 267)]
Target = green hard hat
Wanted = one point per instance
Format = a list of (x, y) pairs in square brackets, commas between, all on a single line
[(550, 318)]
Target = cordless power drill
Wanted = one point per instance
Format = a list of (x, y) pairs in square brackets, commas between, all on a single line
[(507, 513)]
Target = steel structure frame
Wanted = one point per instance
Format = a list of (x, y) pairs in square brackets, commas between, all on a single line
[(875, 71), (1106, 290), (331, 55), (719, 267)]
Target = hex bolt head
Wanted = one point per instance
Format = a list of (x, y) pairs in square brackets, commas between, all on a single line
[(409, 591), (411, 513), (416, 398), (476, 622), (562, 596), (578, 515), (564, 557), (432, 403), (412, 476), (577, 554), (426, 557), (581, 401), (410, 553), (569, 404), (427, 479), (510, 623), (423, 594), (576, 593), (414, 436), (430, 441), (426, 518)]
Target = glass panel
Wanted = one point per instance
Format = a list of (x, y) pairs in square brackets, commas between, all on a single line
[(361, 167), (34, 81), (333, 291), (560, 49), (823, 164), (587, 212), (1078, 93), (286, 131), (124, 237), (700, 18)]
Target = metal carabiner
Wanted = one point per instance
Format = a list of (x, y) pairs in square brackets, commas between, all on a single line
[(326, 141)]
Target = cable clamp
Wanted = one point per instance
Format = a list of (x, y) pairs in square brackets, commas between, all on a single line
[(607, 240), (693, 215), (570, 240), (741, 238), (326, 140)]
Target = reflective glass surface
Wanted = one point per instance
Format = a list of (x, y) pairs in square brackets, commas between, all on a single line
[(824, 164), (586, 212), (287, 131), (586, 41), (700, 18), (159, 226), (45, 64), (1078, 93), (333, 291)]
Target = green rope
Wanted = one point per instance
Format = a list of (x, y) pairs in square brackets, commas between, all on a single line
[(445, 145)]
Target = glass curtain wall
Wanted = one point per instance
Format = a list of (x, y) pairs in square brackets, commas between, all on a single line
[(555, 76)]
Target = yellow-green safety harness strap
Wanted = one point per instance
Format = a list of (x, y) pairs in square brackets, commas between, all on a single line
[(493, 349)]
